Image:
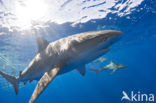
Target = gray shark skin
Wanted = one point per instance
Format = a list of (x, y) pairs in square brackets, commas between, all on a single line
[(62, 56), (112, 66)]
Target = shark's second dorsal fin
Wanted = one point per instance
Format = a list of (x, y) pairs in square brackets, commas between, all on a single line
[(41, 43)]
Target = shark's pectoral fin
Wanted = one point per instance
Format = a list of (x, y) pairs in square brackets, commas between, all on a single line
[(114, 70), (82, 70), (44, 81)]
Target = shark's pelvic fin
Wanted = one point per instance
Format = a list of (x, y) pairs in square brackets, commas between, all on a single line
[(12, 79), (82, 70), (30, 80), (44, 81), (25, 83), (41, 43)]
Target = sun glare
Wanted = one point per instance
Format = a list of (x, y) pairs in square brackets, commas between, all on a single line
[(30, 10)]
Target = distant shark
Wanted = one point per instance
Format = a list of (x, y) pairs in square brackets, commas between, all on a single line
[(110, 66), (62, 56), (100, 60)]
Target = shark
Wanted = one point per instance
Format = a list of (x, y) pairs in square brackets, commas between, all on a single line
[(100, 60), (112, 66), (62, 56)]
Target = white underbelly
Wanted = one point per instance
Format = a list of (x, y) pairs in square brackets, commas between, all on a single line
[(82, 60)]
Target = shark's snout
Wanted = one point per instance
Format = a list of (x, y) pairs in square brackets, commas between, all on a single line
[(97, 40), (108, 37), (117, 33), (112, 33)]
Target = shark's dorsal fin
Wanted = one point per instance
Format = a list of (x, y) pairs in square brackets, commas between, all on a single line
[(112, 62), (41, 43), (82, 70), (44, 81)]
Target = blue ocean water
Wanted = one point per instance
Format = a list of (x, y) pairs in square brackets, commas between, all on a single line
[(137, 50)]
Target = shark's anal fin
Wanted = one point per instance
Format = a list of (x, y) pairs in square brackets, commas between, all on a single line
[(41, 43), (44, 81), (82, 70)]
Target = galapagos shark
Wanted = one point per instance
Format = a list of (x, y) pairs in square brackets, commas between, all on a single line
[(110, 66), (62, 56), (100, 60)]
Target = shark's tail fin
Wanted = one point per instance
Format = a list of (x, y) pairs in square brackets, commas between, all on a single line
[(12, 79), (95, 70)]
